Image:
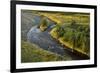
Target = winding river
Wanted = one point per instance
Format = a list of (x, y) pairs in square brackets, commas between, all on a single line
[(44, 39)]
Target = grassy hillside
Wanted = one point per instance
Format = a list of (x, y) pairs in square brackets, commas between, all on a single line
[(75, 36), (32, 53)]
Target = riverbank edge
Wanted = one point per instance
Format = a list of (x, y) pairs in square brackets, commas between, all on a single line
[(74, 51)]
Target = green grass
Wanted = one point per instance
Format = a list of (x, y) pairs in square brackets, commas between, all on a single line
[(75, 37), (64, 18), (33, 53)]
